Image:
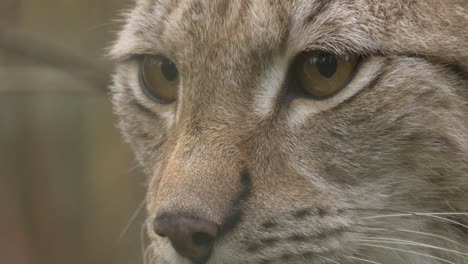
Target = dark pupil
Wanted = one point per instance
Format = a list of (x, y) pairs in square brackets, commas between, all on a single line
[(169, 70), (326, 64)]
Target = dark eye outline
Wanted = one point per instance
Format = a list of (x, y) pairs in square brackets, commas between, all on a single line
[(145, 86), (295, 88)]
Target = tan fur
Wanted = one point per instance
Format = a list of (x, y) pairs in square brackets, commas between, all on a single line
[(395, 141)]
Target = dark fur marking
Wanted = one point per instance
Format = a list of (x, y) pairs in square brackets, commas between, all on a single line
[(302, 213), (322, 212), (145, 135), (235, 215), (269, 241), (458, 70), (322, 236), (322, 6), (287, 256), (265, 242), (269, 225), (140, 33), (298, 238), (158, 145), (253, 247), (140, 107)]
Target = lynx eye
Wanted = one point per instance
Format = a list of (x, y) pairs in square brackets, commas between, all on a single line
[(322, 75), (159, 78)]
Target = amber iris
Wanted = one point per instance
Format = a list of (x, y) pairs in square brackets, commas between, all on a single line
[(159, 78), (322, 75)]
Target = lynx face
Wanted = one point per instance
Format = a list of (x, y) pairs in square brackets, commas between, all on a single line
[(299, 131)]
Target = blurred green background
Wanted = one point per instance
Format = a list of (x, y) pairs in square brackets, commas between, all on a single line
[(68, 186)]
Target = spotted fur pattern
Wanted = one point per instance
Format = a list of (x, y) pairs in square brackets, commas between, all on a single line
[(376, 174)]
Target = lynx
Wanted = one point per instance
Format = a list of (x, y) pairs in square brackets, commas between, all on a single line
[(298, 131)]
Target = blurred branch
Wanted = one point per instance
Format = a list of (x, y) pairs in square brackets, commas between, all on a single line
[(22, 44)]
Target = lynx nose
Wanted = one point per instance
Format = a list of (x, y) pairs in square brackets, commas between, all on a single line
[(191, 238)]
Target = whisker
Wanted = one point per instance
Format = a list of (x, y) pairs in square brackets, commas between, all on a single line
[(331, 260), (132, 219), (408, 242), (150, 257), (431, 215), (144, 249), (408, 251), (133, 169), (414, 213), (102, 25), (406, 212), (449, 220), (364, 260), (417, 232)]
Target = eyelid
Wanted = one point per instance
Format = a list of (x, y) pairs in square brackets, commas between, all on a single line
[(293, 89), (149, 89), (130, 57)]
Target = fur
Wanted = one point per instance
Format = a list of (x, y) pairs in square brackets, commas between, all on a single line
[(376, 174)]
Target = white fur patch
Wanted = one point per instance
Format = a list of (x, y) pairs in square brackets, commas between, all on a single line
[(270, 88)]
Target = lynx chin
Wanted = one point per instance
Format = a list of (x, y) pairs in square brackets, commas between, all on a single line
[(298, 131)]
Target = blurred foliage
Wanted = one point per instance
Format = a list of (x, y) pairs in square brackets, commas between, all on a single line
[(67, 187)]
